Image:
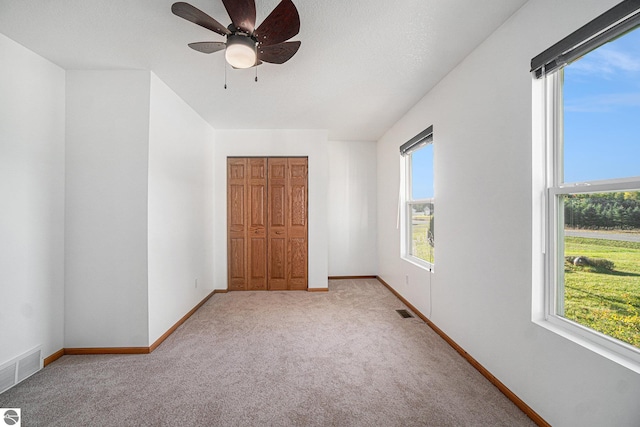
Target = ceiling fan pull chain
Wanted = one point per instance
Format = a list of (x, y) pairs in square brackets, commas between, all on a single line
[(225, 74), (256, 66)]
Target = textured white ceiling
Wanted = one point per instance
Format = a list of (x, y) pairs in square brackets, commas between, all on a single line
[(361, 66)]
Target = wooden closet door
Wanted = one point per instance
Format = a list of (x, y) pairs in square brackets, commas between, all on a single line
[(267, 217), (237, 224), (277, 223), (257, 230), (297, 220)]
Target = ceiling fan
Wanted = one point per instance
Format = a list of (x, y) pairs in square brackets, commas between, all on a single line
[(247, 46)]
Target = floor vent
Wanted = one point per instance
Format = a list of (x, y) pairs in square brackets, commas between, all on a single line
[(29, 365), (20, 368), (404, 313), (8, 376)]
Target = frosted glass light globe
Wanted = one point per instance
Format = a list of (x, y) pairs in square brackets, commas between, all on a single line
[(240, 52)]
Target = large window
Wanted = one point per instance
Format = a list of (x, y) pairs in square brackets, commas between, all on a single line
[(592, 241), (419, 200)]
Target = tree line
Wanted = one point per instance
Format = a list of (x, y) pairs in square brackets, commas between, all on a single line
[(603, 211)]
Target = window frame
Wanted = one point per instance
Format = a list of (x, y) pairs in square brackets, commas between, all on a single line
[(408, 202), (553, 228)]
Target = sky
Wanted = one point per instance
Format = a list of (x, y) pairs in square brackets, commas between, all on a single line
[(602, 112), (422, 173)]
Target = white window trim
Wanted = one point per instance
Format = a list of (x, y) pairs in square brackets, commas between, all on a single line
[(552, 257), (406, 240)]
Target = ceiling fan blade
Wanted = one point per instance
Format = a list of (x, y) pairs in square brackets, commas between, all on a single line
[(281, 24), (195, 15), (278, 53), (207, 47), (242, 14)]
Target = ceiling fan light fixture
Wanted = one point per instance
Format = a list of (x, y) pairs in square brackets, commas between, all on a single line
[(241, 46), (240, 51)]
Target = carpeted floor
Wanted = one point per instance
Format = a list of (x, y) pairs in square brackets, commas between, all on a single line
[(342, 358)]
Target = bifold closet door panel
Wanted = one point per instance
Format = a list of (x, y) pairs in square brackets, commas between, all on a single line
[(237, 224), (277, 223), (297, 223), (257, 233)]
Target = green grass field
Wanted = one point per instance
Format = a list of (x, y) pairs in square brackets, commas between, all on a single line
[(421, 247), (606, 301)]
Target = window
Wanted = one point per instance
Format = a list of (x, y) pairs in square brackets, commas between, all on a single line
[(592, 172), (419, 200)]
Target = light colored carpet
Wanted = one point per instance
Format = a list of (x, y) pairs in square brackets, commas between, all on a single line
[(342, 358)]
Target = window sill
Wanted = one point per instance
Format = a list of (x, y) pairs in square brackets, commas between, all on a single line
[(418, 262), (566, 330)]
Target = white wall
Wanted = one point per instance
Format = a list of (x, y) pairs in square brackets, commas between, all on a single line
[(481, 291), (106, 209), (352, 208), (180, 209), (311, 143), (32, 135)]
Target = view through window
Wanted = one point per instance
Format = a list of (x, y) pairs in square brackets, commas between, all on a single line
[(597, 191), (420, 204)]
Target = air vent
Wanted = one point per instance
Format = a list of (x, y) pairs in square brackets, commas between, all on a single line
[(29, 365), (8, 376), (20, 368), (404, 314)]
